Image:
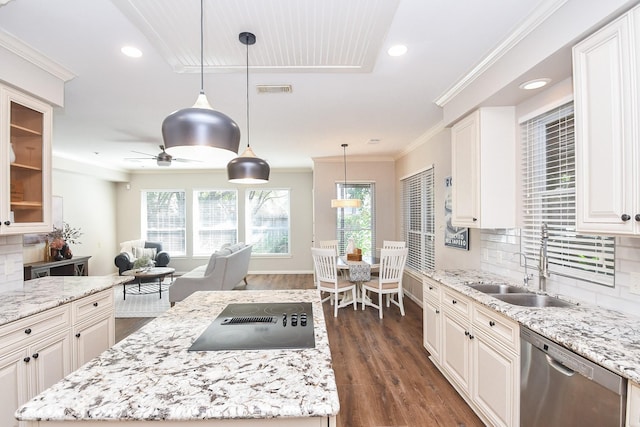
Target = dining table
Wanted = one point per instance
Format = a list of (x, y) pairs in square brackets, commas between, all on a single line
[(358, 272)]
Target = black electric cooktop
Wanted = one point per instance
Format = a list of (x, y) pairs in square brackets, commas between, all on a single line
[(259, 326)]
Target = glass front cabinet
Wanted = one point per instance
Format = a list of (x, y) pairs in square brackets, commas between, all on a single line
[(25, 163)]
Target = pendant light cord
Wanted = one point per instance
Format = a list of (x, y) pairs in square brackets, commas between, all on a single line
[(344, 189), (202, 46), (248, 127)]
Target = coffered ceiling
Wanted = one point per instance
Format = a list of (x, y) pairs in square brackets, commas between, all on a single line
[(332, 53)]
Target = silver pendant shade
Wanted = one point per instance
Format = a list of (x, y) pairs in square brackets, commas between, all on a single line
[(248, 168), (200, 131), (344, 202)]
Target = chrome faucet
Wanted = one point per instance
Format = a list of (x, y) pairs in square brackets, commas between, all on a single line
[(527, 276), (543, 260)]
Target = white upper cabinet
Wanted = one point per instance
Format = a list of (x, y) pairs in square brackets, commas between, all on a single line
[(25, 163), (483, 169), (607, 99)]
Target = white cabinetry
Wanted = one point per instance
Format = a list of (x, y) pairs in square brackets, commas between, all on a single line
[(483, 169), (37, 351), (93, 326), (633, 405), (480, 356), (607, 114), (431, 319), (25, 163)]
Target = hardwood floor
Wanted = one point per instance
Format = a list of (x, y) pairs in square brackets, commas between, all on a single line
[(383, 373)]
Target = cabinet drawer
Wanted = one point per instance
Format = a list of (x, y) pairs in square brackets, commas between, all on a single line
[(456, 302), (92, 304), (33, 327), (497, 326), (431, 289)]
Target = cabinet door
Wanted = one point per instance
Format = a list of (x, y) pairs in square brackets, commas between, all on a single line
[(465, 163), (604, 92), (92, 338), (456, 349), (25, 157), (14, 385), (495, 381), (50, 361), (431, 328)]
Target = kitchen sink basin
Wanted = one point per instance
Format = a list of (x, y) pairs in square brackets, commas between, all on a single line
[(497, 288), (532, 300)]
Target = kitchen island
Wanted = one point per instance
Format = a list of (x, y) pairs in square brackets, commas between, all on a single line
[(151, 376)]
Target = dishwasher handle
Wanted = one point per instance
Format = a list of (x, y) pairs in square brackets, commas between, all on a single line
[(559, 366)]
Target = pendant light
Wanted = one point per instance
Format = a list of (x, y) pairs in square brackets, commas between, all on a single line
[(248, 168), (344, 202), (200, 131)]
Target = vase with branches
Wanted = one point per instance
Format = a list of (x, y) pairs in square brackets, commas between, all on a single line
[(59, 239)]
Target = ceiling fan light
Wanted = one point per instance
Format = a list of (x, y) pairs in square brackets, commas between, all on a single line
[(248, 169), (163, 162)]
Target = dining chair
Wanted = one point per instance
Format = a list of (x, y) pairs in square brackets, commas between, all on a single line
[(391, 244), (327, 279), (389, 280), (329, 244)]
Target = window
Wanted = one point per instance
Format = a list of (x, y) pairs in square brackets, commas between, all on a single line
[(215, 220), (268, 224), (357, 223), (418, 220), (548, 177), (164, 219)]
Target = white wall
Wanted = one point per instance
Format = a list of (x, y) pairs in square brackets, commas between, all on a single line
[(298, 182)]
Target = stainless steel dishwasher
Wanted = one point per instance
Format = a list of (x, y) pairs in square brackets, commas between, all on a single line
[(560, 388)]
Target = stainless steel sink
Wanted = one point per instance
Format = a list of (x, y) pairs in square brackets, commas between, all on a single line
[(497, 288), (532, 300)]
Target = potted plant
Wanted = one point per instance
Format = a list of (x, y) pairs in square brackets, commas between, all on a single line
[(59, 239)]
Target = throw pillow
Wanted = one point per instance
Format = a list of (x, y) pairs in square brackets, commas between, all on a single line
[(148, 252)]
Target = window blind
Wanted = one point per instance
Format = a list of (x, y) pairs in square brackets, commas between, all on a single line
[(418, 224), (215, 220), (164, 219), (357, 223), (548, 189)]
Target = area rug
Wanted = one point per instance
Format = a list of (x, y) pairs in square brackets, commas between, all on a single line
[(146, 304)]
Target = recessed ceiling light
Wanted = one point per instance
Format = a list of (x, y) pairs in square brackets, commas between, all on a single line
[(374, 141), (131, 51), (397, 50), (534, 84)]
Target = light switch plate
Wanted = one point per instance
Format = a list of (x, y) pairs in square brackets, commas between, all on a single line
[(634, 286)]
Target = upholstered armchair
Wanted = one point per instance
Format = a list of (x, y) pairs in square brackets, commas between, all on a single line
[(134, 249)]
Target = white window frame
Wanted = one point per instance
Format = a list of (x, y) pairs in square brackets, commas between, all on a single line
[(548, 196), (223, 222), (418, 219), (344, 233), (249, 228), (179, 226)]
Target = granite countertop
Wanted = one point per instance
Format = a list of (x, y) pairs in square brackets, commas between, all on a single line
[(48, 292), (607, 337), (150, 375)]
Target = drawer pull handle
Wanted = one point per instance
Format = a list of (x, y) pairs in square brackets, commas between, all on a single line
[(466, 333), (431, 287), (637, 217), (95, 304), (492, 323), (475, 219), (454, 301), (78, 335), (27, 359), (625, 217), (27, 331), (470, 336), (7, 223), (437, 311), (35, 355)]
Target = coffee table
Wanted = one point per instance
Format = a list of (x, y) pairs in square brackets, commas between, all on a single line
[(145, 274)]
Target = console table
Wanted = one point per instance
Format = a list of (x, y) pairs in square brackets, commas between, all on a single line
[(76, 266)]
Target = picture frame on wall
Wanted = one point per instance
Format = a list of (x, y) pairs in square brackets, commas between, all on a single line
[(454, 237), (56, 216)]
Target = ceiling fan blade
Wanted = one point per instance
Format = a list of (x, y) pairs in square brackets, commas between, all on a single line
[(144, 154), (138, 158), (187, 160)]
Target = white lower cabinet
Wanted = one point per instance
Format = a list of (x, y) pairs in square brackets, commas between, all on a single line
[(37, 351), (633, 405), (431, 318), (479, 355)]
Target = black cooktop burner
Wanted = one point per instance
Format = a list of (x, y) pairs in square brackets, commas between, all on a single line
[(259, 326)]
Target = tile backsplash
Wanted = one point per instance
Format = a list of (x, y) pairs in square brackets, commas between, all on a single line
[(499, 255), (11, 262)]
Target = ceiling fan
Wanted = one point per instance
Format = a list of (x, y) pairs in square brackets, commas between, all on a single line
[(162, 159)]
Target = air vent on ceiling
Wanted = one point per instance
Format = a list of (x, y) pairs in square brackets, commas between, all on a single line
[(274, 88)]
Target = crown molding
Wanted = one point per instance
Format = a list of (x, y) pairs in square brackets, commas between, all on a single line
[(535, 19), (26, 52), (422, 139)]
